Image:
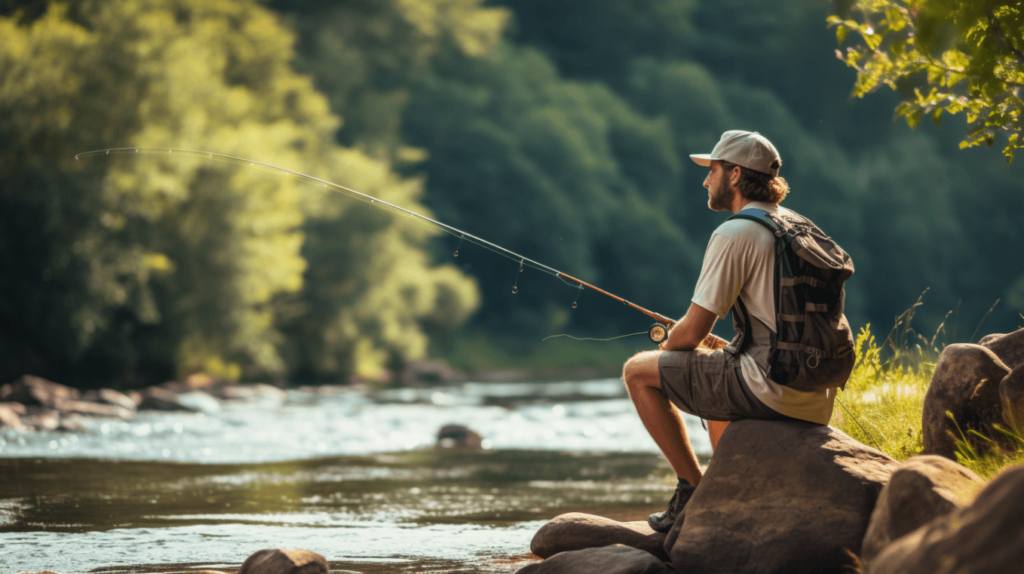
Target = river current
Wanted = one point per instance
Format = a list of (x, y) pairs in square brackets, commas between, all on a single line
[(353, 474)]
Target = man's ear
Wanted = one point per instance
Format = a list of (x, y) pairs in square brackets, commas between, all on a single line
[(734, 175)]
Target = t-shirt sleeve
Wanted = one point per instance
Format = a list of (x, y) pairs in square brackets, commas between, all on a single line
[(722, 275)]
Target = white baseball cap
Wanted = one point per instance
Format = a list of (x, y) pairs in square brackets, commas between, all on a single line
[(748, 149)]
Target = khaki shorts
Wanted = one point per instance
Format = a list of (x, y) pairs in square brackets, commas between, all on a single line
[(708, 384)]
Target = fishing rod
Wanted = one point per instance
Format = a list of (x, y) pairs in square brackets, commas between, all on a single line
[(657, 333)]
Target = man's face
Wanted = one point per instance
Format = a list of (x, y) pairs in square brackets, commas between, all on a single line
[(720, 192)]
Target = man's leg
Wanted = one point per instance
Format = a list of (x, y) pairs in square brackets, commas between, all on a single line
[(662, 419)]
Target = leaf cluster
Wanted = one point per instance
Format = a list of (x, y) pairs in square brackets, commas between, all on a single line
[(945, 56)]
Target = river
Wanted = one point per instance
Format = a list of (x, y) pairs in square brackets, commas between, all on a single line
[(353, 474)]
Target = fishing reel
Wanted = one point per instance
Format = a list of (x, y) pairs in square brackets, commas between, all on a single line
[(657, 333)]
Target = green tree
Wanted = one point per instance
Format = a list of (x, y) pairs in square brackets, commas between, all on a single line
[(136, 269), (945, 56)]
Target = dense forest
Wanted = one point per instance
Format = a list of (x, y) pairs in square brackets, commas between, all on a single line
[(560, 130)]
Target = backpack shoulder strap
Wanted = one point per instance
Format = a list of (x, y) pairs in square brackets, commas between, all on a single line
[(761, 216)]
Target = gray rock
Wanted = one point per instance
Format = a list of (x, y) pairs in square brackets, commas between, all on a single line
[(780, 497), (1009, 348), (278, 561), (575, 531), (616, 559), (10, 416), (33, 391), (987, 536), (1011, 395), (966, 384), (159, 399), (922, 488)]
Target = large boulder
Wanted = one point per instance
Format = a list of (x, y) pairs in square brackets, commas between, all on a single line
[(576, 531), (278, 561), (1009, 348), (987, 536), (965, 384), (922, 489), (1011, 395), (617, 559), (33, 391), (780, 497)]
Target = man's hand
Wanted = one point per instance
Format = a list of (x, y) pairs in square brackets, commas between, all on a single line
[(691, 331)]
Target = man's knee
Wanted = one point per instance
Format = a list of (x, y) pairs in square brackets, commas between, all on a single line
[(641, 370)]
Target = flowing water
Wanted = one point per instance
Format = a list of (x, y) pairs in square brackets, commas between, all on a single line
[(351, 474)]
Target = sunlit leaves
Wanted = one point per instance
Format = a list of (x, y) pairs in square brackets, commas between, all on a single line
[(971, 53), (145, 267)]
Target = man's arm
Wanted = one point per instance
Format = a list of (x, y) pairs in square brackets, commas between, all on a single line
[(692, 330)]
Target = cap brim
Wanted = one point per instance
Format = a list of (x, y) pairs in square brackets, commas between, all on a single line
[(703, 159)]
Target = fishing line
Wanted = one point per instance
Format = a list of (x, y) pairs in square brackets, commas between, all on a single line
[(592, 339), (858, 423), (659, 327), (515, 288), (577, 296)]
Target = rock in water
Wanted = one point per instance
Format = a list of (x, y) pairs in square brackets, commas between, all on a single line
[(111, 397), (160, 399), (9, 416), (458, 436), (576, 531), (987, 536), (90, 409), (617, 559), (922, 488), (277, 561), (780, 496), (1009, 348), (966, 384), (33, 391), (200, 401)]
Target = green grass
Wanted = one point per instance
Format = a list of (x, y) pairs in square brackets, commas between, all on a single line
[(986, 462), (884, 399)]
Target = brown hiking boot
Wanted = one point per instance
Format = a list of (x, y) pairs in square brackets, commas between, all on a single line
[(663, 521)]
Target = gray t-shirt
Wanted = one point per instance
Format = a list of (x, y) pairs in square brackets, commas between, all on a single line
[(740, 262)]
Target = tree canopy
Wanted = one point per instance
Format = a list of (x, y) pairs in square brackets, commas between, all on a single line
[(560, 130), (138, 269)]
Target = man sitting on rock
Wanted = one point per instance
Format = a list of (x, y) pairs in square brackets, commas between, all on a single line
[(699, 373)]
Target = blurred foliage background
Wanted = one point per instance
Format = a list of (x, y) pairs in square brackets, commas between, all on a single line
[(560, 130)]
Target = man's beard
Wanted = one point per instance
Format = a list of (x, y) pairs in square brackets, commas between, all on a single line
[(721, 199)]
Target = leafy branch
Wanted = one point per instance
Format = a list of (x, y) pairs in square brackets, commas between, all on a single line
[(945, 56)]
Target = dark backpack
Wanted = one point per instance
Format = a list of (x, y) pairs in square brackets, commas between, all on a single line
[(813, 346)]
